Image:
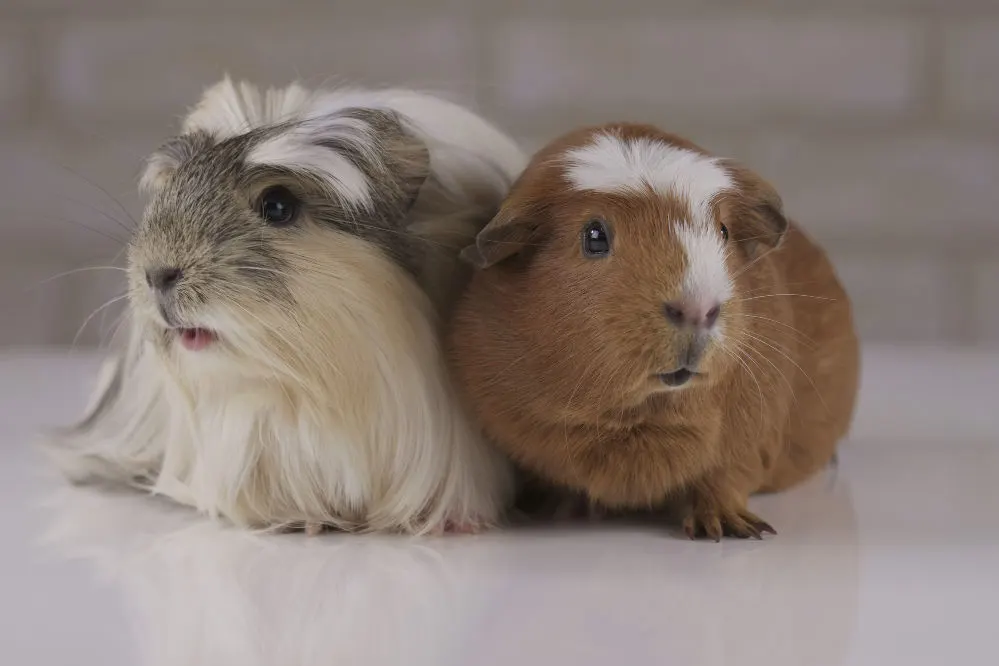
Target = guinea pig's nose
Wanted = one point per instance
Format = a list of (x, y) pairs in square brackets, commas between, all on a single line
[(163, 279), (698, 316)]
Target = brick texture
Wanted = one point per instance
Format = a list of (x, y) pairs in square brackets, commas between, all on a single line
[(910, 187), (144, 68), (874, 118), (14, 63), (972, 67), (69, 195), (901, 298), (986, 296), (714, 66), (34, 307)]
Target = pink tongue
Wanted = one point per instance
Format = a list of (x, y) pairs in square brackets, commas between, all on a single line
[(196, 339)]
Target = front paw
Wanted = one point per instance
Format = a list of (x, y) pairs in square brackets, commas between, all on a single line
[(705, 516), (466, 526)]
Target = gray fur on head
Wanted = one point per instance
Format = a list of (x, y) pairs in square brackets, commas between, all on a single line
[(406, 172), (202, 189)]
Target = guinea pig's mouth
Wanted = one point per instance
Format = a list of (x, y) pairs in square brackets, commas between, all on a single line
[(677, 378), (195, 339)]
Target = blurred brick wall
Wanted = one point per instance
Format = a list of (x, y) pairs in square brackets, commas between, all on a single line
[(876, 119)]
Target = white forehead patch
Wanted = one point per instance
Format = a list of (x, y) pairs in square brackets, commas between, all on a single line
[(706, 281), (613, 164), (295, 150)]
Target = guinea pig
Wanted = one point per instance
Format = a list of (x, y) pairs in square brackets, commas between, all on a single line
[(646, 327), (287, 287)]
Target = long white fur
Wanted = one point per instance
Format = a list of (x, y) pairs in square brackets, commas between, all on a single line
[(343, 413), (611, 163)]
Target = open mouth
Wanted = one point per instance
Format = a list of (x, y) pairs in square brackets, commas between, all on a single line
[(677, 378), (195, 339)]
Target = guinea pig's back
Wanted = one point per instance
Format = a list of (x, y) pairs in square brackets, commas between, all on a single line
[(465, 148), (826, 382)]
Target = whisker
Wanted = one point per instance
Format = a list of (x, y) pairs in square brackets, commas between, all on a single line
[(753, 298), (751, 264), (103, 213), (752, 375), (68, 221), (795, 363), (790, 386), (80, 270), (785, 325), (107, 194), (787, 285), (86, 321)]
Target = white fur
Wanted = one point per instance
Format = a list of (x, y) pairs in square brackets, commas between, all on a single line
[(292, 151), (706, 282), (612, 164), (341, 411), (228, 109)]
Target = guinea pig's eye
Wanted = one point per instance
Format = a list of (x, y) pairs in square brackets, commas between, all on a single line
[(724, 232), (278, 206), (596, 240)]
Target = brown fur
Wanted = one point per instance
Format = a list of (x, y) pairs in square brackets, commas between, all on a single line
[(559, 353)]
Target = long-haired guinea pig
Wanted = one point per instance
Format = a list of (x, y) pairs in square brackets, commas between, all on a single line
[(287, 284), (647, 328)]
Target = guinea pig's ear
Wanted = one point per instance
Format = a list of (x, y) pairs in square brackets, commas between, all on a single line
[(767, 221), (507, 234), (405, 160), (756, 211), (162, 164)]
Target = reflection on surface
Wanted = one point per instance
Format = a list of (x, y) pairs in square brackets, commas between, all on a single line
[(204, 594)]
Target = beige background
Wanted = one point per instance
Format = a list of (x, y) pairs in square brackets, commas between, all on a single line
[(876, 119)]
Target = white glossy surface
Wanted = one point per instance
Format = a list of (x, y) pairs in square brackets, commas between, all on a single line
[(892, 560)]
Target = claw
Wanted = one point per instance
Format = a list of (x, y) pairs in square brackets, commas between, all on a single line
[(764, 526), (716, 523), (713, 529)]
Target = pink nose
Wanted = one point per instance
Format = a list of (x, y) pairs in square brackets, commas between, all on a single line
[(697, 316)]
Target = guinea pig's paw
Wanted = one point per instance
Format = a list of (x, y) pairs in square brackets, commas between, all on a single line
[(464, 527), (313, 529), (705, 516), (467, 526)]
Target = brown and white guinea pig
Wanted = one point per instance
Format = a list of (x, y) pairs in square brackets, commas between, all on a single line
[(646, 327), (286, 290)]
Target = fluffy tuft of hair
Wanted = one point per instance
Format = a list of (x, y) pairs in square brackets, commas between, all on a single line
[(335, 406)]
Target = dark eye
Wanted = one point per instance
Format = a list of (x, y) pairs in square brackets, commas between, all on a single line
[(596, 240), (278, 206), (724, 232)]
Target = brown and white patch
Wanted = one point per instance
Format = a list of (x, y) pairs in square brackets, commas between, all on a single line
[(614, 163)]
